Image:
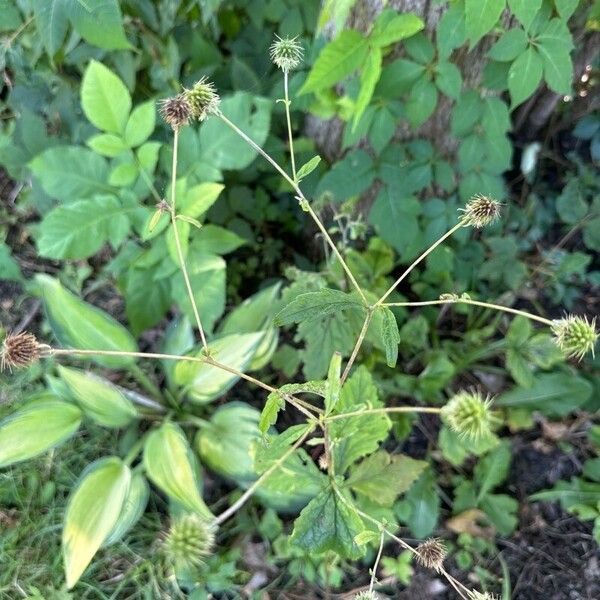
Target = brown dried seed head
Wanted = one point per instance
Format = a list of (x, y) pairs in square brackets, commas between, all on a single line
[(431, 554), (176, 111), (20, 350), (481, 211)]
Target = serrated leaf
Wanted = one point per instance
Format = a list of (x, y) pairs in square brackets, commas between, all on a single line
[(104, 98), (390, 336), (268, 416), (170, 465), (492, 469), (328, 523), (481, 16), (334, 385), (307, 168), (316, 305), (524, 76), (79, 229), (92, 513), (271, 448), (77, 324), (38, 426), (337, 60), (98, 398)]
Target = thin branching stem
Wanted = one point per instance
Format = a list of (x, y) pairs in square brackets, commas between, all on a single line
[(359, 341), (252, 489), (376, 563), (388, 409), (429, 250), (289, 123), (490, 305), (302, 198), (178, 241)]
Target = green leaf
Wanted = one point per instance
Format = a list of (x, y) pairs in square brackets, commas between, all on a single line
[(420, 48), (92, 513), (348, 178), (422, 101), (146, 300), (203, 383), (315, 305), (390, 336), (338, 59), (511, 44), (77, 324), (140, 124), (334, 384), (566, 8), (382, 477), (99, 23), (570, 205), (104, 98), (79, 229), (107, 144), (423, 502), (253, 314), (492, 469), (524, 76), (212, 239), (552, 393), (70, 172), (52, 22), (481, 16), (554, 44), (268, 416), (391, 27), (369, 77), (133, 508), (307, 168), (171, 466), (199, 199), (8, 265), (220, 146), (329, 523), (501, 510), (450, 31), (525, 10), (123, 174), (448, 79), (98, 398), (40, 425)]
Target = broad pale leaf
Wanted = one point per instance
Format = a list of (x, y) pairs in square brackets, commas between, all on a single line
[(481, 16), (107, 144), (92, 513), (525, 10), (140, 124), (77, 324), (40, 425), (369, 77), (98, 398), (391, 27), (99, 23), (170, 465), (199, 198)]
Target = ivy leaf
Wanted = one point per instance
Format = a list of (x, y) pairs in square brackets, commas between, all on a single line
[(391, 27), (511, 44), (329, 523), (104, 98), (316, 305), (78, 230), (369, 77), (481, 16), (524, 76), (390, 336), (337, 60), (383, 477), (554, 44), (525, 10)]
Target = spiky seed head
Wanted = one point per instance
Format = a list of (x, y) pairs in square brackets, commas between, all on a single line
[(475, 595), (286, 53), (176, 111), (203, 99), (189, 541), (20, 350), (431, 554), (366, 595), (480, 211), (469, 415), (575, 336)]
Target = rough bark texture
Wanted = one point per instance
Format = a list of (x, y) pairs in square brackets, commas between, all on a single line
[(530, 119)]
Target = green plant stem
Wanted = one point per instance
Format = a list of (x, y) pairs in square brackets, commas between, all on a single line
[(376, 564), (387, 409), (499, 307), (178, 242), (418, 260), (302, 198), (359, 341), (144, 381), (250, 491), (289, 124), (301, 405), (134, 451)]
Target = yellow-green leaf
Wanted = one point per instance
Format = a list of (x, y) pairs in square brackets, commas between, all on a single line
[(92, 513), (170, 465), (37, 427)]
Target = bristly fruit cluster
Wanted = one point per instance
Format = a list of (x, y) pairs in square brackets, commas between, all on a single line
[(366, 595), (575, 336), (431, 554), (469, 415), (20, 350), (176, 111), (475, 595), (203, 99), (189, 541), (286, 53), (480, 211)]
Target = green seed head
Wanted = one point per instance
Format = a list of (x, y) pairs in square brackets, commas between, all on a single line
[(575, 336), (176, 111), (469, 415), (286, 53), (189, 541), (203, 99), (480, 211), (431, 554)]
